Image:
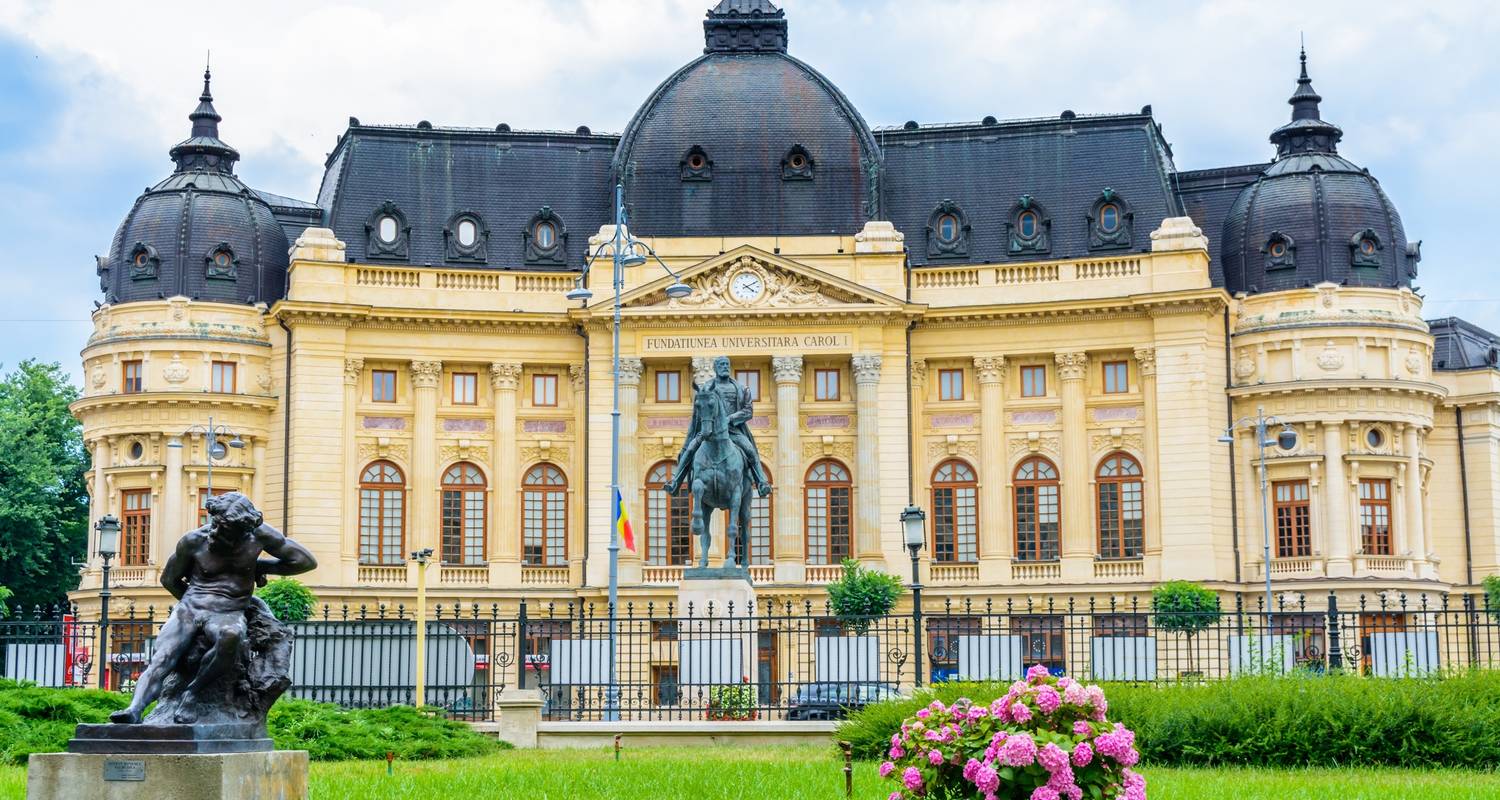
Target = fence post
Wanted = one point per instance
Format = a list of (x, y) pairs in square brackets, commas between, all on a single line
[(1471, 618), (1335, 650), (521, 646), (916, 623)]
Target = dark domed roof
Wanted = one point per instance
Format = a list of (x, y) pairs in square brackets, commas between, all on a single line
[(200, 232), (1312, 215), (748, 140)]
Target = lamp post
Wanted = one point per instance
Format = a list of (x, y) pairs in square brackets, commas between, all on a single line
[(625, 252), (213, 449), (109, 544), (914, 531), (422, 556), (1286, 439)]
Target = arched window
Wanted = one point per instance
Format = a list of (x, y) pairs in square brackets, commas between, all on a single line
[(1038, 517), (382, 514), (387, 233), (760, 528), (464, 514), (955, 521), (1029, 227), (544, 517), (1121, 507), (465, 238), (669, 518), (1110, 221), (546, 239), (826, 508), (947, 231)]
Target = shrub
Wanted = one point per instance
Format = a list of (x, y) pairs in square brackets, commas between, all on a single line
[(1045, 738), (1492, 595), (289, 600), (330, 733), (1184, 607), (861, 594), (34, 719), (732, 701)]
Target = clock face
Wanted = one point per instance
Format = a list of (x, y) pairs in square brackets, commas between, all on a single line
[(746, 286)]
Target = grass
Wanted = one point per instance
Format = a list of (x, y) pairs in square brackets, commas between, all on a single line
[(798, 773)]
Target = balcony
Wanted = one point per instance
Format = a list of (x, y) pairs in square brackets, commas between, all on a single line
[(950, 574), (463, 575), (382, 574), (1125, 569), (545, 576), (1035, 571)]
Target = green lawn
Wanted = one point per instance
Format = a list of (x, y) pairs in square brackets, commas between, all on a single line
[(708, 773)]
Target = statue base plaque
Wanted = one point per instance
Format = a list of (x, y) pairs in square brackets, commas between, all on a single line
[(264, 775)]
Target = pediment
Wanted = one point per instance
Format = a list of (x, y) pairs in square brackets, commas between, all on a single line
[(766, 283)]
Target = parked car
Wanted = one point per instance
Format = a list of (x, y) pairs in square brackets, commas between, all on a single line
[(834, 700)]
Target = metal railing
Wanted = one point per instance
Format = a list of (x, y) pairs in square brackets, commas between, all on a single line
[(781, 660)]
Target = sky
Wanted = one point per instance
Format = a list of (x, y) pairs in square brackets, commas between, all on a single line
[(92, 95)]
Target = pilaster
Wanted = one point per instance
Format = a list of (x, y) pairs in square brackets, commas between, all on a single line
[(171, 509), (1335, 504), (349, 544), (791, 560), (996, 547), (422, 524), (1416, 538), (866, 451), (631, 370), (1145, 359), (1077, 545), (505, 521)]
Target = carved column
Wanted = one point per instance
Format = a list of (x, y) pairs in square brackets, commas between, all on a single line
[(631, 370), (353, 369), (703, 370), (1077, 534), (994, 541), (791, 560), (867, 456), (422, 520), (505, 520), (1334, 503), (1145, 359), (1416, 538), (171, 510)]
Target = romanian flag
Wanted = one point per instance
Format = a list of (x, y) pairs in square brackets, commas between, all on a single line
[(622, 523)]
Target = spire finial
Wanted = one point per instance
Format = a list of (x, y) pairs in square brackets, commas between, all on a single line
[(207, 96), (1307, 132)]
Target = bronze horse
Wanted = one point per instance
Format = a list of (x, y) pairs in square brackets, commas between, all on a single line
[(720, 480)]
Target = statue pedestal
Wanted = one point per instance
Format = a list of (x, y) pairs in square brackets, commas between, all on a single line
[(716, 635), (264, 775), (715, 592)]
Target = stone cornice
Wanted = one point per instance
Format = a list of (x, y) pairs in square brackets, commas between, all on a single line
[(341, 315), (1341, 385), (159, 399), (1197, 301)]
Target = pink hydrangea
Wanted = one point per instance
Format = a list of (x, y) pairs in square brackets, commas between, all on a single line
[(1075, 695), (1018, 751), (886, 768), (1083, 754), (1045, 793), (1052, 757), (911, 777), (935, 757), (1037, 673), (896, 795), (1021, 713), (1081, 728), (923, 713), (1118, 744), (1135, 786), (897, 752), (969, 769), (1047, 699), (986, 779)]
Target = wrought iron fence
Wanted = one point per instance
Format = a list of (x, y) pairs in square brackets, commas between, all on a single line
[(781, 660)]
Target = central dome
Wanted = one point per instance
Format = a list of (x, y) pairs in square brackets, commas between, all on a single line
[(746, 140)]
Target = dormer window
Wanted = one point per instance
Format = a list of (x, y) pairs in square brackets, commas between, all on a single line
[(947, 232), (546, 239), (1109, 218), (797, 165), (387, 234), (696, 165), (466, 238), (221, 264), (1029, 227), (1280, 251), (145, 264), (1110, 221), (1364, 249)]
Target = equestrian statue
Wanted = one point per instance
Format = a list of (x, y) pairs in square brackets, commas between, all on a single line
[(720, 456)]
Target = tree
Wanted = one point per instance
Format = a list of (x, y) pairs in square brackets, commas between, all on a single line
[(43, 499), (288, 599), (861, 594), (1185, 607)]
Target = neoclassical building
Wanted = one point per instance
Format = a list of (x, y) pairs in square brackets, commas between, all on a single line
[(1037, 330)]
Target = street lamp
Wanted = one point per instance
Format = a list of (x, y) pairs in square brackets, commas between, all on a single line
[(626, 251), (914, 531), (1286, 439), (213, 449), (109, 544), (422, 556)]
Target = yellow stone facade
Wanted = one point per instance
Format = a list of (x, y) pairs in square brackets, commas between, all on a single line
[(1334, 362)]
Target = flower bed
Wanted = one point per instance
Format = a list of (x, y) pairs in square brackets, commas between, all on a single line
[(1046, 739)]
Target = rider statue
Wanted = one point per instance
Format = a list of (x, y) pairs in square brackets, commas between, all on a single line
[(737, 402)]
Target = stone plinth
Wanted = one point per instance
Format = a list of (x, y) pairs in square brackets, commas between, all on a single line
[(267, 775), (169, 739), (714, 596)]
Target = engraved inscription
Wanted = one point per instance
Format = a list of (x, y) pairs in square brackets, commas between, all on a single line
[(124, 770)]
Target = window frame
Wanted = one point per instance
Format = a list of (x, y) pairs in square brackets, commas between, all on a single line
[(1291, 518), (467, 398), (1039, 552), (378, 377), (217, 371), (203, 495), (673, 511), (381, 491), (1121, 366), (839, 496), (951, 513), (761, 510), (752, 384), (460, 490), (673, 381), (1373, 511), (132, 376), (823, 377), (548, 493), (946, 381), (135, 528), (539, 380), (1121, 548), (1032, 377)]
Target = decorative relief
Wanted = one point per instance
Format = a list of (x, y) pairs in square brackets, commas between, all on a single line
[(578, 374), (1072, 366), (866, 368), (98, 376), (631, 370), (816, 421), (544, 451), (919, 372), (353, 367), (989, 369), (782, 289), (960, 447), (1416, 363), (1327, 293), (175, 371), (1330, 359), (384, 423), (759, 421), (263, 380), (653, 450), (1125, 414), (952, 420), (1117, 441), (1033, 417), (464, 451), (505, 374), (1145, 359), (813, 448), (1244, 368), (425, 374), (667, 423), (544, 426), (767, 450), (786, 369), (465, 425), (1035, 442), (369, 450), (703, 370)]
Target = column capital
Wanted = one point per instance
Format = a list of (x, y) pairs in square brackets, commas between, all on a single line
[(578, 374), (866, 368), (631, 370), (990, 369), (703, 370), (786, 369), (1145, 357), (353, 367), (1072, 366), (425, 374), (919, 372), (505, 375)]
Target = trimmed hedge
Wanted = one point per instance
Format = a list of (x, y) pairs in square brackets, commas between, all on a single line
[(39, 720), (1325, 721)]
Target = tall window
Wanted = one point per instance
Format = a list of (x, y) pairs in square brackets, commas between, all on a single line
[(544, 390), (221, 377), (1034, 381), (669, 537), (465, 388), (132, 373), (751, 380), (464, 514), (826, 508), (1038, 519), (544, 517), (203, 496), (668, 386), (950, 384), (383, 385), (1121, 508), (760, 529), (955, 522), (382, 514), (826, 384), (1375, 515), (135, 526), (1293, 514), (1116, 377)]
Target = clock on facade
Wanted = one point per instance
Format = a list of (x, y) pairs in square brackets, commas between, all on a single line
[(746, 286)]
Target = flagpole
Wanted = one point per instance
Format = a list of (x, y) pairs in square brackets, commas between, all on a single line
[(612, 693)]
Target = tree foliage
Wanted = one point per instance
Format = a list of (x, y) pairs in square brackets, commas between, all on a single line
[(861, 594), (289, 600), (1184, 607), (43, 498), (1492, 595)]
